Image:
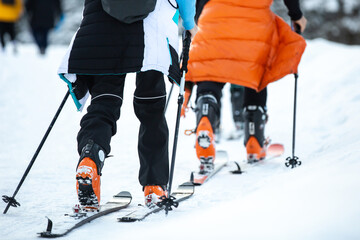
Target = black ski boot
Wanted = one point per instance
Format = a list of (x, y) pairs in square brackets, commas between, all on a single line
[(237, 102), (255, 142)]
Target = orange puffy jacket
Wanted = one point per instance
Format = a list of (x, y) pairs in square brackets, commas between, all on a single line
[(244, 43)]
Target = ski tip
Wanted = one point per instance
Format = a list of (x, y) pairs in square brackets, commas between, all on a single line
[(123, 194), (187, 184), (186, 187), (275, 149), (277, 145)]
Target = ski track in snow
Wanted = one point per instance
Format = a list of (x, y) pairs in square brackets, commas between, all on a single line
[(319, 200)]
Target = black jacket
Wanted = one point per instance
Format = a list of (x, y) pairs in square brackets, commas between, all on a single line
[(43, 13), (103, 45)]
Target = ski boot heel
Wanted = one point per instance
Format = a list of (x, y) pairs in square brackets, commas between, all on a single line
[(205, 143), (206, 165), (153, 194), (88, 174), (254, 151), (88, 185), (255, 142)]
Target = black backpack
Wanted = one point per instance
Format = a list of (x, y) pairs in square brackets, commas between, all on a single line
[(8, 2), (128, 11)]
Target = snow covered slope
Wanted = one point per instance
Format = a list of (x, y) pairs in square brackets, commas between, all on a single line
[(319, 200)]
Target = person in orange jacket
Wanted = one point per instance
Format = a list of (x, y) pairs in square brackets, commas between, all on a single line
[(243, 43), (10, 12)]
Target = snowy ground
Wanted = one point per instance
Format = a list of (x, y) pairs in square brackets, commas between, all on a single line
[(319, 200)]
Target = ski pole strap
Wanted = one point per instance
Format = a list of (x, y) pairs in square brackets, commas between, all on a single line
[(185, 51)]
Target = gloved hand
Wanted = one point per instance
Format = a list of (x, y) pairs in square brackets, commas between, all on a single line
[(185, 107), (188, 90), (79, 88)]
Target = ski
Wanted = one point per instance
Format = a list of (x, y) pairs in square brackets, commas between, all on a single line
[(78, 219), (183, 192), (221, 160), (273, 151)]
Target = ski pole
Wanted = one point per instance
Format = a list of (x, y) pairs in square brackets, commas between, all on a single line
[(11, 200), (293, 161), (169, 201), (168, 99)]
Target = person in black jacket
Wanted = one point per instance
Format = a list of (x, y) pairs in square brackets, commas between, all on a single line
[(43, 16), (102, 52)]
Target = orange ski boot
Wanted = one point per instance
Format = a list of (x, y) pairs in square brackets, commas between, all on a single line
[(88, 185), (207, 119), (88, 176), (205, 145), (254, 150), (152, 194)]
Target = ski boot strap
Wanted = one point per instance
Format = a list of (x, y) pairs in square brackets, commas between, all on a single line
[(96, 153)]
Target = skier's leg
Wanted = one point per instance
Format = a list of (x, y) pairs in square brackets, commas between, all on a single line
[(255, 119), (237, 104), (40, 35), (2, 34), (149, 106), (98, 125), (207, 119), (12, 34), (44, 40)]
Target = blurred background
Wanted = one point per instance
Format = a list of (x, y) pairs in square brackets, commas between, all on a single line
[(335, 20)]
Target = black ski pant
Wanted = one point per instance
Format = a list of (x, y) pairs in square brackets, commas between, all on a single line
[(7, 27), (99, 123), (251, 97), (41, 38)]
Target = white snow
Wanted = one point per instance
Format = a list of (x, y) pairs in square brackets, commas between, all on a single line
[(318, 200)]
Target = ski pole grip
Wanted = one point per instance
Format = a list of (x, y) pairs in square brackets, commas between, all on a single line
[(185, 51)]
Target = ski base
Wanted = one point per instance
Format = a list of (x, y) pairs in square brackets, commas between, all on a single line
[(118, 202), (183, 192), (221, 161)]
